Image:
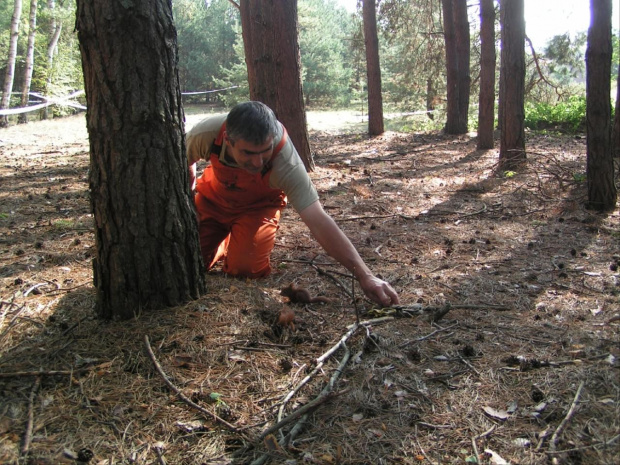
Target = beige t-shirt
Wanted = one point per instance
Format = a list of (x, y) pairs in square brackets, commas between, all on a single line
[(288, 172)]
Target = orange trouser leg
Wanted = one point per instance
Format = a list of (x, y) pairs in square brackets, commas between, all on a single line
[(244, 241), (252, 238)]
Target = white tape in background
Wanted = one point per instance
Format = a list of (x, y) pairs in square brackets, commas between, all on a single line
[(66, 101), (62, 101)]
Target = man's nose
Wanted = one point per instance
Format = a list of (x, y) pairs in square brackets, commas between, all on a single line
[(257, 162)]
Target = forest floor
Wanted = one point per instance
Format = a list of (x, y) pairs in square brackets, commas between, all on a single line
[(520, 364)]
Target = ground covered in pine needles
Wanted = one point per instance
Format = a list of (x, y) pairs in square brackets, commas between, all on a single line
[(505, 349)]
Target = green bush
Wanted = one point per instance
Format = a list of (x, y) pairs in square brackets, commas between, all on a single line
[(569, 116)]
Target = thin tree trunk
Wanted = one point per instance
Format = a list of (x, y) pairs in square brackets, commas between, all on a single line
[(486, 103), (512, 77), (10, 62), (54, 36), (602, 192), (146, 235), (32, 29), (274, 66), (373, 69)]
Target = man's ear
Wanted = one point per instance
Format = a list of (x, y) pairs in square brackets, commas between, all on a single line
[(228, 140)]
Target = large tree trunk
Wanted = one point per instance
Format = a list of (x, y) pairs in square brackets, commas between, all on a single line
[(274, 65), (373, 69), (461, 33), (10, 62), (453, 125), (602, 193), (615, 139), (512, 77), (486, 99), (32, 29), (148, 254)]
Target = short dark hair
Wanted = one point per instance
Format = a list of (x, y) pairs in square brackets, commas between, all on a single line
[(252, 121)]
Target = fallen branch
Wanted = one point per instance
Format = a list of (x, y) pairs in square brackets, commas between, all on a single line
[(326, 394), (298, 413), (30, 423), (571, 411), (319, 364), (178, 392)]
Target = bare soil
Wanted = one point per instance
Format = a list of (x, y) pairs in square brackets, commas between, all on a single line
[(505, 349)]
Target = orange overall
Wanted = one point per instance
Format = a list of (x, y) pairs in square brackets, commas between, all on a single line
[(238, 215)]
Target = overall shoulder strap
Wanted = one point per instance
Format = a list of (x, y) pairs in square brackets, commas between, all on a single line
[(216, 146)]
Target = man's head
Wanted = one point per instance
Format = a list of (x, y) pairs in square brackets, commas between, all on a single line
[(250, 131)]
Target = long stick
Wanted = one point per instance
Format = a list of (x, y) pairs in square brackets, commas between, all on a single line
[(567, 418), (178, 392), (30, 423)]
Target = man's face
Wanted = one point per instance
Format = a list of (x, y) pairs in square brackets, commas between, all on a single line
[(250, 157)]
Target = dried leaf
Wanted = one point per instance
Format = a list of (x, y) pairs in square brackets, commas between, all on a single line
[(498, 414), (495, 458)]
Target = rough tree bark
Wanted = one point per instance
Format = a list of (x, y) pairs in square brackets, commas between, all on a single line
[(512, 77), (602, 192), (462, 36), (373, 69), (274, 65), (10, 62), (486, 99), (453, 124), (32, 29), (148, 254), (615, 139)]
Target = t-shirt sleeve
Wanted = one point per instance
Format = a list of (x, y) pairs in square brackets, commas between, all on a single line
[(289, 174), (201, 136)]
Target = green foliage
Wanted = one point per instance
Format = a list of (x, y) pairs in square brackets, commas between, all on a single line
[(324, 29), (567, 116), (206, 37), (412, 54), (565, 58)]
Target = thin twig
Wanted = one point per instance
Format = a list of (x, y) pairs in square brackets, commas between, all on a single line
[(18, 374), (571, 411), (30, 423), (178, 392), (334, 279), (591, 446)]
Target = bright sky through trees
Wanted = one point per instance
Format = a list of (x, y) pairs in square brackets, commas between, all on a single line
[(545, 19)]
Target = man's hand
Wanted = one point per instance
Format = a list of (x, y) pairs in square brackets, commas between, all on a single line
[(379, 291)]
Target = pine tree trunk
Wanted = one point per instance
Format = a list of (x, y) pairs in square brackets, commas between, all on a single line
[(486, 101), (10, 62), (461, 34), (512, 77), (274, 66), (32, 29), (452, 70), (602, 192), (148, 255), (615, 139), (373, 69)]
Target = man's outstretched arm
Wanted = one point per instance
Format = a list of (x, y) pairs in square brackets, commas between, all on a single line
[(337, 245)]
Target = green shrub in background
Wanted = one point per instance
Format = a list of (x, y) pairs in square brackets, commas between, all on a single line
[(568, 116)]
